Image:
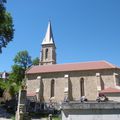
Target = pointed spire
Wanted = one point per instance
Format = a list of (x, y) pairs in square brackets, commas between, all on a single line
[(49, 35)]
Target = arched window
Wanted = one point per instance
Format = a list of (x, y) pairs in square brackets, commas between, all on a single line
[(52, 88), (82, 87), (117, 80), (46, 53)]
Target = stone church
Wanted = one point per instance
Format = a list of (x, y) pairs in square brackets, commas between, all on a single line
[(51, 81)]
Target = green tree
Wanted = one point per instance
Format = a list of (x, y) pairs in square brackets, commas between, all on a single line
[(17, 74), (23, 59), (6, 26), (22, 62), (10, 88), (35, 61)]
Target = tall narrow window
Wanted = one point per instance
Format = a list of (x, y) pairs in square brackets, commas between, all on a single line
[(82, 87), (46, 53), (117, 80), (52, 88)]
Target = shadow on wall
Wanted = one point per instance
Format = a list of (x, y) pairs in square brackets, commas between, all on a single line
[(42, 91), (70, 90), (102, 83)]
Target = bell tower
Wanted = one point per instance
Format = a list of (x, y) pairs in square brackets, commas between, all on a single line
[(48, 52)]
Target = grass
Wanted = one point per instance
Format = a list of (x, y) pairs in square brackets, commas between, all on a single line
[(53, 117), (56, 118), (13, 118)]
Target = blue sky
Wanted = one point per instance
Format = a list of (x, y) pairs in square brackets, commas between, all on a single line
[(84, 30)]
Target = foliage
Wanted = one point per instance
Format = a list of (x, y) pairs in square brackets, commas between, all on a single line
[(9, 87), (2, 1), (23, 59), (22, 62), (13, 118), (2, 84), (13, 89), (6, 26), (17, 74), (56, 118), (35, 61)]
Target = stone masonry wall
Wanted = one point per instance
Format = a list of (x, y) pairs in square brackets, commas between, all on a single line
[(90, 83)]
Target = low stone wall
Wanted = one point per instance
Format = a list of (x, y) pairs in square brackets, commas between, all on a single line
[(91, 111)]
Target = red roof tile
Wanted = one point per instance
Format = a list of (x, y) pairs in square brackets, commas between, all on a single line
[(110, 90), (70, 67), (31, 93)]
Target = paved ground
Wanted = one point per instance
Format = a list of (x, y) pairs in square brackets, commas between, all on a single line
[(2, 118)]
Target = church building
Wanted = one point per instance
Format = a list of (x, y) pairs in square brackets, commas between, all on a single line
[(51, 81)]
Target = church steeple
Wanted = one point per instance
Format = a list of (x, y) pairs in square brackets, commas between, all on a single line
[(48, 53), (49, 35)]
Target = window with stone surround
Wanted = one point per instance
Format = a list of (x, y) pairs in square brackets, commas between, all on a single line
[(46, 53), (52, 88), (117, 80), (82, 87)]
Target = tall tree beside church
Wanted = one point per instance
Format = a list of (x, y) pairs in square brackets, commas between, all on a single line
[(6, 26), (17, 74), (22, 62), (23, 59), (35, 61)]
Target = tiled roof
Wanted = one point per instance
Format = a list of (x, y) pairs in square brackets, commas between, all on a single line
[(110, 90), (31, 93), (71, 67)]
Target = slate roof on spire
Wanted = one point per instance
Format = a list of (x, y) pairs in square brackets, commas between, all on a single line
[(49, 35)]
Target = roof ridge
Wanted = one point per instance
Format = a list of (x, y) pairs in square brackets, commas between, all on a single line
[(112, 65), (83, 62), (92, 65)]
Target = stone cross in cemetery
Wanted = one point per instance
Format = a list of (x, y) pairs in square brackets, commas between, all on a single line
[(21, 113)]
